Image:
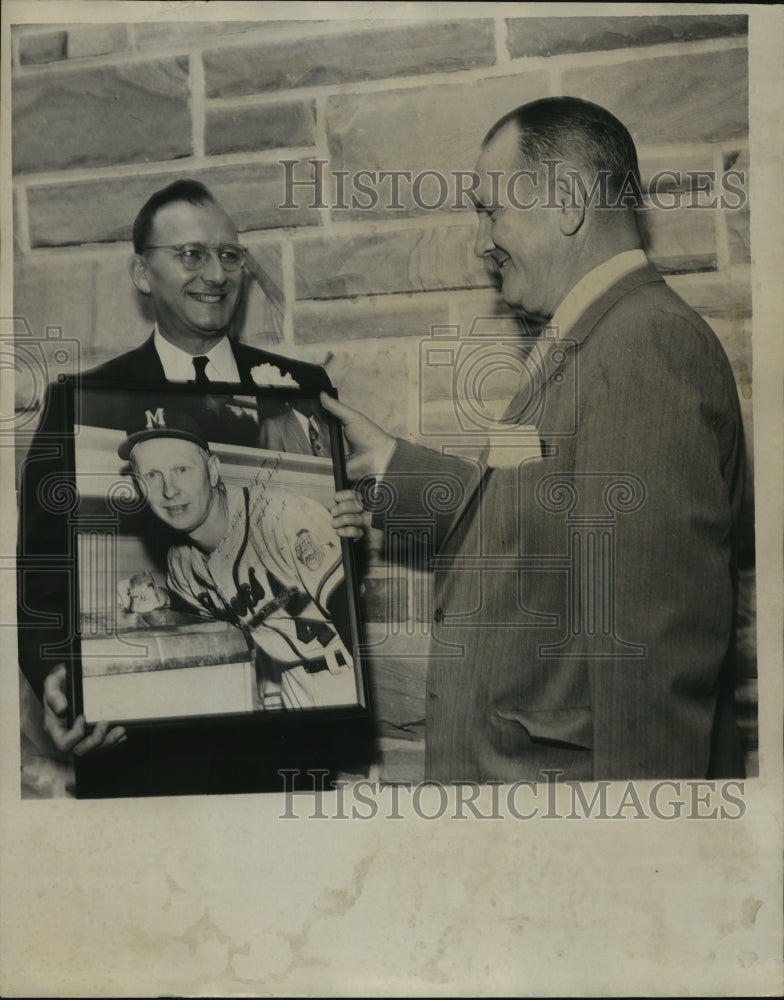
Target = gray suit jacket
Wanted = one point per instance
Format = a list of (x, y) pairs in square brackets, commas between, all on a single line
[(585, 601), (284, 433)]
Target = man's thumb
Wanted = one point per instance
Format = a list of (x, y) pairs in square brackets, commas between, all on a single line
[(337, 409)]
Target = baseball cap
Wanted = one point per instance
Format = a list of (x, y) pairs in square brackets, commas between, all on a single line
[(162, 421)]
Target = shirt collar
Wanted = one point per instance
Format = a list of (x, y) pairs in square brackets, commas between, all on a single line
[(591, 287), (178, 364)]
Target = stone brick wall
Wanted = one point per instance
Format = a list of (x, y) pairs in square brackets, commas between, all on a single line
[(104, 114)]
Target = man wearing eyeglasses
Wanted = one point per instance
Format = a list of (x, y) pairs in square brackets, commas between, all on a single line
[(188, 260)]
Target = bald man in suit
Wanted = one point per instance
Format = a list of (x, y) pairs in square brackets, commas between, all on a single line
[(584, 598)]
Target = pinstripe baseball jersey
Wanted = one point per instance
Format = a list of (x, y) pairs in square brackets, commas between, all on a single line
[(272, 575)]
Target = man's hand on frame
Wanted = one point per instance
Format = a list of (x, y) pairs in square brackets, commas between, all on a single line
[(77, 739), (371, 447)]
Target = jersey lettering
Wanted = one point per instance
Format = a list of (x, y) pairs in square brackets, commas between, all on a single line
[(307, 631), (206, 600), (248, 595)]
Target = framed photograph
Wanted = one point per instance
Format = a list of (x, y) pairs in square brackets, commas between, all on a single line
[(494, 845), (208, 580)]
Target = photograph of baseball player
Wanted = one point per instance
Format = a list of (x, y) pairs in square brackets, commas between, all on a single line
[(264, 559), (224, 562)]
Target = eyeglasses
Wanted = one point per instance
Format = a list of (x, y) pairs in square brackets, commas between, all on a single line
[(195, 255)]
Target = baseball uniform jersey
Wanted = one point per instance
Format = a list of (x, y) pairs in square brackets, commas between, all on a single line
[(272, 575)]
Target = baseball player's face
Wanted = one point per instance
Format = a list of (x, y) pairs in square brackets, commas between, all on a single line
[(178, 479), (193, 309)]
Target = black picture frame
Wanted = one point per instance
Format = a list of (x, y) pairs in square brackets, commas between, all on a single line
[(205, 705)]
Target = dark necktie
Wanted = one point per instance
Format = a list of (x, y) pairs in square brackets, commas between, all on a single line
[(200, 363), (316, 444)]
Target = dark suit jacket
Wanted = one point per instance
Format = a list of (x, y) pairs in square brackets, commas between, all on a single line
[(45, 601), (143, 364), (584, 602)]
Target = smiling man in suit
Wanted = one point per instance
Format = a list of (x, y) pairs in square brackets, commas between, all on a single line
[(584, 598), (187, 258)]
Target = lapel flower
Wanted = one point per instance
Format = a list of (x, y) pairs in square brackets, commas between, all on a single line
[(270, 375)]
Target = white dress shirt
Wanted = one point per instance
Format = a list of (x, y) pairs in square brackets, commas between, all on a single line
[(178, 364), (591, 287)]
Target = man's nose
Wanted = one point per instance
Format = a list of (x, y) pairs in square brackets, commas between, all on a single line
[(213, 269), (169, 487), (484, 243)]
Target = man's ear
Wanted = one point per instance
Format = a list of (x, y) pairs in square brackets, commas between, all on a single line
[(139, 486), (571, 210), (137, 268), (213, 467)]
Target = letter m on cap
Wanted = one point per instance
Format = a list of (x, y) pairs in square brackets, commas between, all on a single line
[(155, 419)]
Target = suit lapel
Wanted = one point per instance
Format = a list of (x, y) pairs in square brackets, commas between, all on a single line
[(299, 434), (527, 399), (246, 359), (144, 363), (597, 310)]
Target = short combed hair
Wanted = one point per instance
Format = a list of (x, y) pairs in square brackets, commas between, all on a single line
[(568, 128), (194, 192)]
